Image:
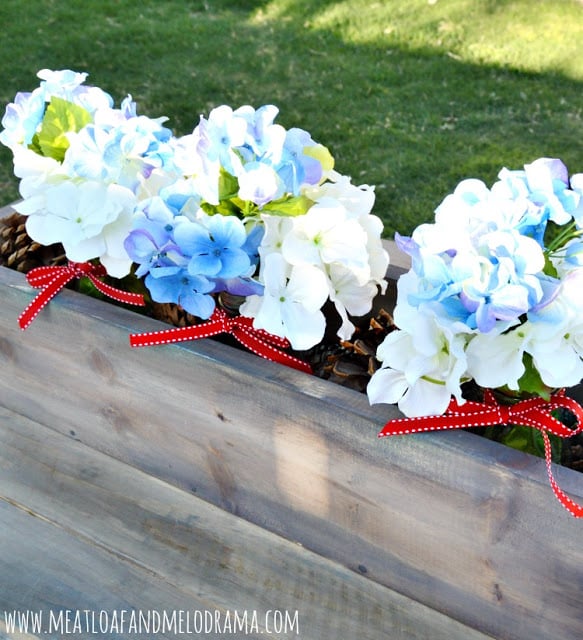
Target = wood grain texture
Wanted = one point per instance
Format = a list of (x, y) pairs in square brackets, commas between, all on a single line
[(82, 531), (468, 527)]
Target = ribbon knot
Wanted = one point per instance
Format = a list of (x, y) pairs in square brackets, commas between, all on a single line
[(81, 269), (258, 341), (532, 412), (505, 414), (51, 279)]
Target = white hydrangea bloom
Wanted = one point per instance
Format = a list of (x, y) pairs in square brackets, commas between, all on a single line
[(291, 302), (326, 235), (357, 200), (422, 367), (347, 251), (90, 219), (349, 297), (496, 360), (37, 173), (557, 334)]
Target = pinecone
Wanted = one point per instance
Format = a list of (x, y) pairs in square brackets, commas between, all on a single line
[(175, 315), (172, 314), (352, 363), (19, 252)]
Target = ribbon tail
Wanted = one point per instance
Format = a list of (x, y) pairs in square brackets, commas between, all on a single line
[(49, 291), (265, 350), (532, 413), (571, 506), (42, 276), (177, 334), (127, 297)]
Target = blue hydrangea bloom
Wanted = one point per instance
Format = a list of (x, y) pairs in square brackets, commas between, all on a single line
[(124, 150), (495, 278), (215, 248), (185, 260), (176, 285), (264, 139), (296, 168), (242, 286), (251, 245), (150, 243)]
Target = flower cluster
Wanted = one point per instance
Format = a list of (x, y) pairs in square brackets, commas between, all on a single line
[(186, 259), (240, 205), (83, 166), (493, 293), (332, 252), (259, 212)]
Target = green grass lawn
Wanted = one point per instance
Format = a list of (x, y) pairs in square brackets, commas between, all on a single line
[(409, 96)]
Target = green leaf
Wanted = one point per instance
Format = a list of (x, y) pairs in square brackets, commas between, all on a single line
[(531, 382), (518, 437), (34, 145), (549, 268), (86, 287), (209, 209), (531, 441), (290, 206), (224, 208), (228, 185), (61, 117)]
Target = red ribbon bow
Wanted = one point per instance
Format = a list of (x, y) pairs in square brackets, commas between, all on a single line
[(534, 412), (53, 278), (258, 341)]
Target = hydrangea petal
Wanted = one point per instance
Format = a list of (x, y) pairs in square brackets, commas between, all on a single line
[(496, 360), (425, 398), (386, 386)]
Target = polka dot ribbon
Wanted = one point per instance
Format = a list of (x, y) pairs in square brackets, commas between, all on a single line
[(51, 279), (260, 342), (534, 412)]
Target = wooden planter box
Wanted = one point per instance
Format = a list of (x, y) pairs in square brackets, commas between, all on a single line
[(175, 455)]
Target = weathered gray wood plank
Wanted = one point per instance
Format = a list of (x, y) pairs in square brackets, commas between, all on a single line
[(83, 531), (464, 525), (16, 635)]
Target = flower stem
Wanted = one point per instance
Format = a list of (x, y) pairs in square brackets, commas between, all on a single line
[(562, 238)]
